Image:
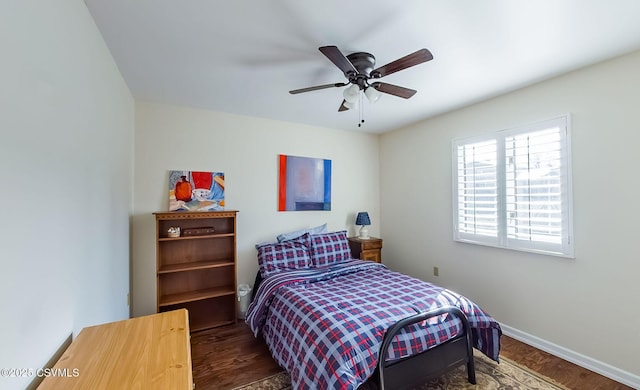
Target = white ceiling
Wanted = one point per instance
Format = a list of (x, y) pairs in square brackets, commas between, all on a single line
[(243, 56)]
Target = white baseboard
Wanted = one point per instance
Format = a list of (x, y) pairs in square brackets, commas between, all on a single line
[(594, 365)]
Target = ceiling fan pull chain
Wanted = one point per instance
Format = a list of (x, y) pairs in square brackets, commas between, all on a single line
[(360, 111)]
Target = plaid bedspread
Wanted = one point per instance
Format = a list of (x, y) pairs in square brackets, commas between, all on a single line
[(325, 326)]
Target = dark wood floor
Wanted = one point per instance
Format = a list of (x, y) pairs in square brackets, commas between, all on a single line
[(230, 356)]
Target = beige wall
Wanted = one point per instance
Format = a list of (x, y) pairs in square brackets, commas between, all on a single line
[(66, 135), (246, 150), (585, 307)]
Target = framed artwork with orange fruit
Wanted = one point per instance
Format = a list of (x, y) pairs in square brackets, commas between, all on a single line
[(196, 191)]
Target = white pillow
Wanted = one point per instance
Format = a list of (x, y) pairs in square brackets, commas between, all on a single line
[(298, 233)]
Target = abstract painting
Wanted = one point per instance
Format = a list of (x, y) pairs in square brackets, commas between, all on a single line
[(196, 191), (305, 184)]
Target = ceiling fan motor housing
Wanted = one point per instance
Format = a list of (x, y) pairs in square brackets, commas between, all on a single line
[(364, 64)]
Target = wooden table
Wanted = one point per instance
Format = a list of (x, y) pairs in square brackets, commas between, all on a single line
[(150, 352)]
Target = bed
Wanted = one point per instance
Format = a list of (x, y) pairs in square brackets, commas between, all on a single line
[(327, 318)]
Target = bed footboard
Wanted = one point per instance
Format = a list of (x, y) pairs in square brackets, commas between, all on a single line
[(416, 369)]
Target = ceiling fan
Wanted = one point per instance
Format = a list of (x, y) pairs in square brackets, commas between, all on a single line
[(359, 70)]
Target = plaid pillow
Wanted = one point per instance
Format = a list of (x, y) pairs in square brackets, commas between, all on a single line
[(329, 248), (284, 256)]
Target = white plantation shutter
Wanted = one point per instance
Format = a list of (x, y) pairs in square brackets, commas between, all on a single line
[(477, 189), (513, 189)]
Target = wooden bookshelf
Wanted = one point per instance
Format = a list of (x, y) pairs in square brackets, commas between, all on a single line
[(197, 273)]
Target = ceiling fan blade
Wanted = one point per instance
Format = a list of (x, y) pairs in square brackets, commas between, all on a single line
[(317, 87), (343, 107), (394, 90), (418, 57), (335, 55)]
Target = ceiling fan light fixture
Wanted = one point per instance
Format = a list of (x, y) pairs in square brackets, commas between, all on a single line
[(351, 93), (372, 94), (351, 105)]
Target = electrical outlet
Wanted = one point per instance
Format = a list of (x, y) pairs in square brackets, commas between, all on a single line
[(436, 271)]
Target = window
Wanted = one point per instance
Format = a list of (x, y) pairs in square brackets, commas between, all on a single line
[(512, 189)]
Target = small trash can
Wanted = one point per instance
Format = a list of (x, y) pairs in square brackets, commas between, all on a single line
[(244, 298)]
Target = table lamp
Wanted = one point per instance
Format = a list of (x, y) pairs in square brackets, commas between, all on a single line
[(363, 220)]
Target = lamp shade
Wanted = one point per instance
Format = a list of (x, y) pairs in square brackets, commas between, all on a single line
[(363, 218), (351, 93), (372, 94), (351, 105)]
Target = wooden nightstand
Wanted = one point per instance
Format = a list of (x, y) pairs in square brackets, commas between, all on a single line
[(366, 249)]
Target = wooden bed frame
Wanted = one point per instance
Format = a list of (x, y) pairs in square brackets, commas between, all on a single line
[(417, 369)]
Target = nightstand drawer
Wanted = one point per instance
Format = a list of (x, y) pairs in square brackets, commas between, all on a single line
[(371, 255), (372, 243)]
